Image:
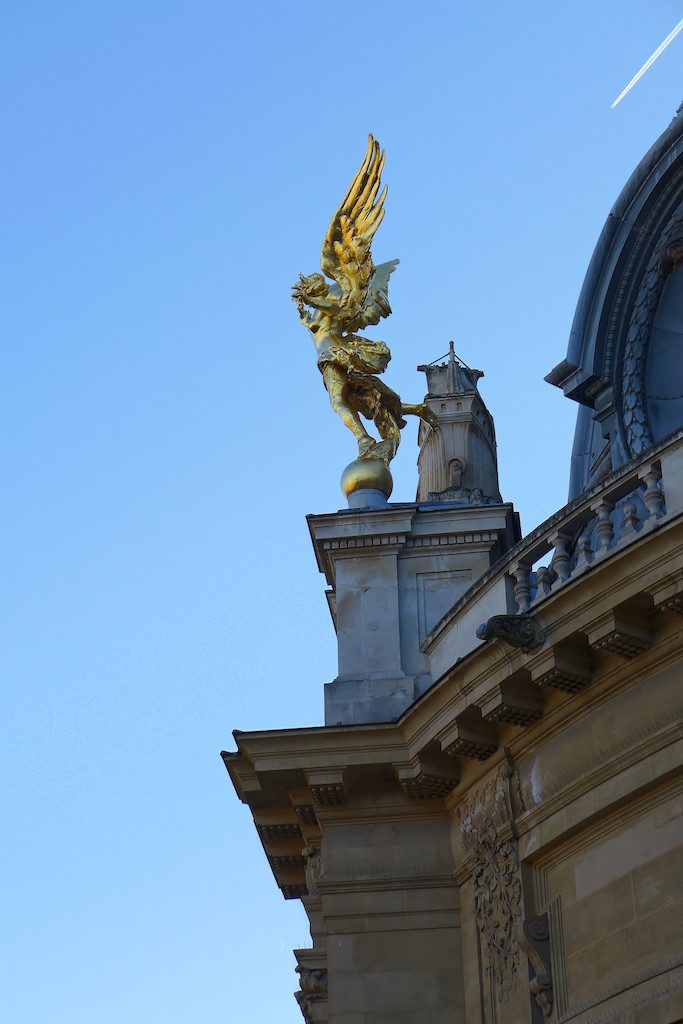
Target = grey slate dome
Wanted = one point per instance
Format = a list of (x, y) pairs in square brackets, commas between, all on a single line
[(624, 362)]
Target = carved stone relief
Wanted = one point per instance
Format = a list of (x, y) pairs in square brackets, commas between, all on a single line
[(487, 835), (313, 869), (522, 631), (464, 495)]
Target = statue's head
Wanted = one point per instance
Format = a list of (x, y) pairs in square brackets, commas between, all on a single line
[(313, 285)]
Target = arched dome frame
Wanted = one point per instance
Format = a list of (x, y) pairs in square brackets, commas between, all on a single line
[(604, 370)]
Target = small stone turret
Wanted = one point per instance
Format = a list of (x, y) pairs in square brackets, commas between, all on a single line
[(458, 461)]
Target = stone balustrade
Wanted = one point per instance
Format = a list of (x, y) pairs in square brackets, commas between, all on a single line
[(629, 503), (624, 510)]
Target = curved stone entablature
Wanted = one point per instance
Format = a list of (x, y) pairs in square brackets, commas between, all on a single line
[(624, 362)]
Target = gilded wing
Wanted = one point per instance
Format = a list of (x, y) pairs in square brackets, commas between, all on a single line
[(345, 253), (376, 303)]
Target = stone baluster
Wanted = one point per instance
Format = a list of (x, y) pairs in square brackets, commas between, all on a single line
[(631, 524), (560, 560), (605, 527), (544, 580), (584, 551), (522, 587), (653, 497)]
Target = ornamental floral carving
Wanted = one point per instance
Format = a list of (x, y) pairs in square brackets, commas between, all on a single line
[(663, 261), (487, 835)]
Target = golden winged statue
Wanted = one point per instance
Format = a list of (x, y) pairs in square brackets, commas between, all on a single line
[(358, 297)]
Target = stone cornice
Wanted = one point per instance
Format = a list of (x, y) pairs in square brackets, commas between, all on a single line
[(340, 747), (452, 539), (406, 526), (365, 528), (330, 747)]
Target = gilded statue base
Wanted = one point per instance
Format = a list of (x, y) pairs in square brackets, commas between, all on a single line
[(367, 483)]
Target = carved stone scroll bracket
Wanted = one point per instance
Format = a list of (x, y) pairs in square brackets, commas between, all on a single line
[(667, 596), (277, 831), (428, 776), (294, 892), (521, 631), (313, 989), (327, 788), (566, 667), (533, 936), (306, 815), (283, 843), (486, 841), (469, 736), (515, 701), (620, 632), (288, 862)]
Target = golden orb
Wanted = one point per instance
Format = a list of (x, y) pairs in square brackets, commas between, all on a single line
[(366, 474)]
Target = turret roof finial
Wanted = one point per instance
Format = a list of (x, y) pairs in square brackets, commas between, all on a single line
[(452, 364), (453, 377)]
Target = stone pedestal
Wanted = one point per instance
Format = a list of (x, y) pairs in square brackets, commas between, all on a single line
[(393, 573)]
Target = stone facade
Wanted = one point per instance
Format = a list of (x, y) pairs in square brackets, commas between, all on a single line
[(527, 793), (489, 827)]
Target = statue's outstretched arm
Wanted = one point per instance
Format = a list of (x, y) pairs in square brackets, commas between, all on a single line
[(307, 318), (325, 305)]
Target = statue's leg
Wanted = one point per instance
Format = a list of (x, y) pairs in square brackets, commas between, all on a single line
[(389, 432), (336, 383)]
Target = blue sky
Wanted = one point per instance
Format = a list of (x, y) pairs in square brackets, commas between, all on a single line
[(169, 168)]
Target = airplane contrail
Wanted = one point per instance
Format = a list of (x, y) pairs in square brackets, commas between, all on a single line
[(649, 62)]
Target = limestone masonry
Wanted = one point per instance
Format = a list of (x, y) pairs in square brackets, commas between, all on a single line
[(488, 829)]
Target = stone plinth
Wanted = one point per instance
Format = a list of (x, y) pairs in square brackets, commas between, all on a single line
[(393, 573)]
